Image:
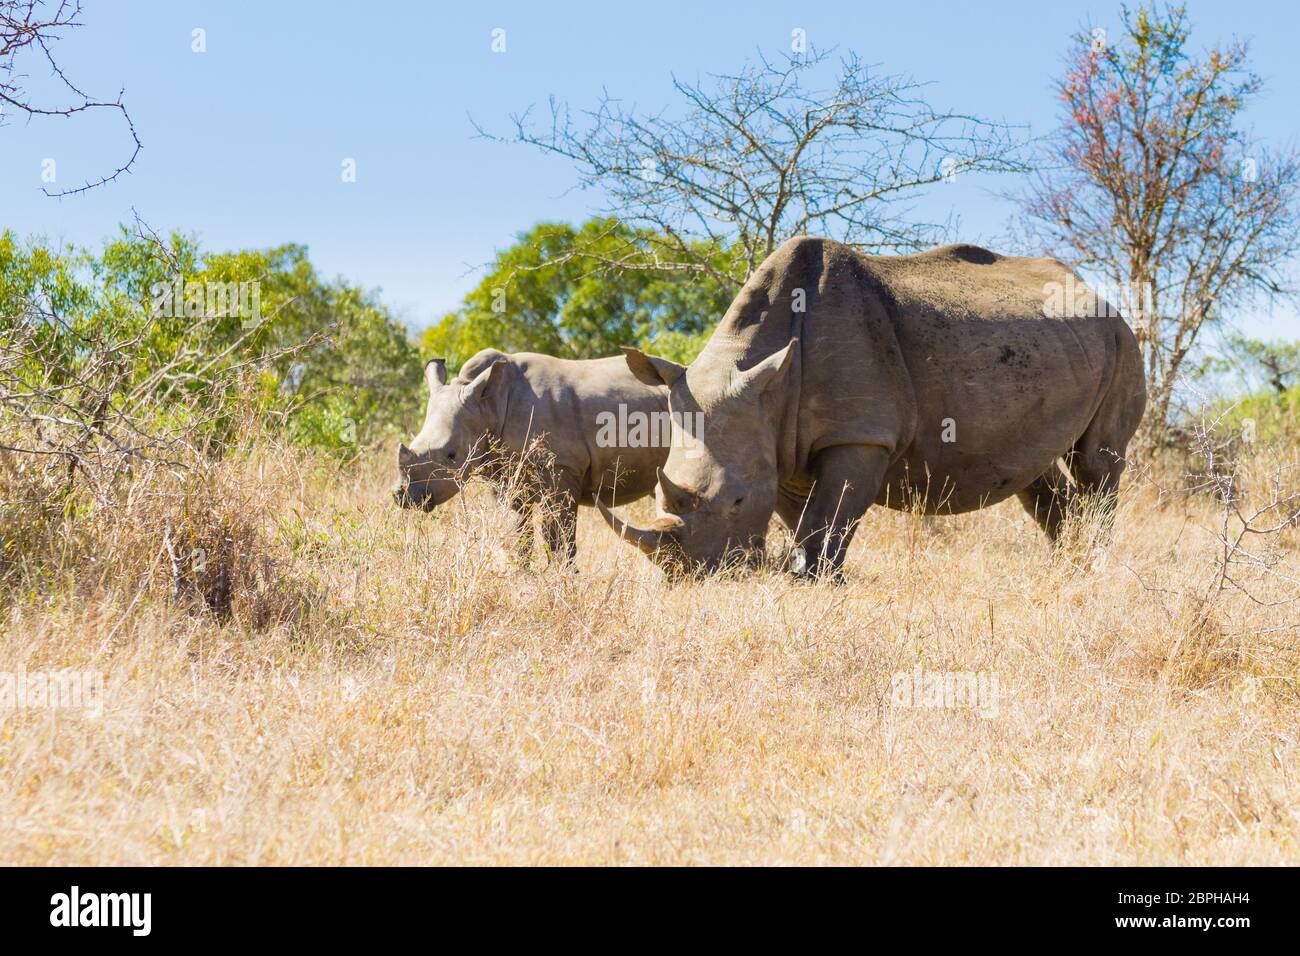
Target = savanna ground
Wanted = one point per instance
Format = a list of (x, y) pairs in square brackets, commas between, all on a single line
[(389, 687)]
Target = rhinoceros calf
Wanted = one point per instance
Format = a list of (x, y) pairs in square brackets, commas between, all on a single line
[(950, 379), (501, 403)]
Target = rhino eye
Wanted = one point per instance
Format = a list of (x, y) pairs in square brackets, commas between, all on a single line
[(451, 456), (737, 503)]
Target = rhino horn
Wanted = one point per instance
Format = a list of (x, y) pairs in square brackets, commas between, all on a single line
[(651, 542), (404, 455)]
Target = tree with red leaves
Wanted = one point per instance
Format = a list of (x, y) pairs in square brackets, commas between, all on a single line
[(1152, 186)]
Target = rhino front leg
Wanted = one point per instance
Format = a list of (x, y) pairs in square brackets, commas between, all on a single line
[(847, 480), (521, 511), (790, 505)]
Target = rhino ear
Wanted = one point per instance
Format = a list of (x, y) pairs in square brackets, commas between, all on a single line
[(651, 369), (435, 372), (487, 383), (766, 372)]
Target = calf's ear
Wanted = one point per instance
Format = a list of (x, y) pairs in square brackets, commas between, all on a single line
[(487, 384), (651, 369), (435, 372)]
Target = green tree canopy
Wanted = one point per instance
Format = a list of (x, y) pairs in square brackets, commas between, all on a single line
[(338, 368), (581, 292)]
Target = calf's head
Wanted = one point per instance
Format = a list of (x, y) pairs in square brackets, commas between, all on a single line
[(718, 488), (461, 417)]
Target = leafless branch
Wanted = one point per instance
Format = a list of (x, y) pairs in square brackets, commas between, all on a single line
[(36, 24), (759, 156)]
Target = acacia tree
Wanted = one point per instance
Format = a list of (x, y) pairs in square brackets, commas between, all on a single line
[(766, 154), (1152, 185), (31, 26)]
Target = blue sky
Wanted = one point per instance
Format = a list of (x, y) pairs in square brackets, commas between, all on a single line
[(243, 144)]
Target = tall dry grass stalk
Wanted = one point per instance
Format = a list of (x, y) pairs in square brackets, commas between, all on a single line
[(386, 686)]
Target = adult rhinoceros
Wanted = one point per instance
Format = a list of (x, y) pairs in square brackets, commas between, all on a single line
[(940, 379), (501, 403)]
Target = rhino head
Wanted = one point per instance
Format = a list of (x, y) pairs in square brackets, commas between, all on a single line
[(718, 488), (461, 417)]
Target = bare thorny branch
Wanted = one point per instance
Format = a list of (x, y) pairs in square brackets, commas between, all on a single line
[(1243, 517), (27, 25), (1256, 498), (759, 157)]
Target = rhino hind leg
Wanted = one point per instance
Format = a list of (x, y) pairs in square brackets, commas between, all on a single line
[(560, 520), (560, 530), (1098, 459), (1096, 470), (1049, 500)]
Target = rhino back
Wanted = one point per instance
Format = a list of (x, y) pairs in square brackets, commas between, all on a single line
[(1001, 388)]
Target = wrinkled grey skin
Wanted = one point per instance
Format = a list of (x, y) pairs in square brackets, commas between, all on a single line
[(509, 401), (817, 414)]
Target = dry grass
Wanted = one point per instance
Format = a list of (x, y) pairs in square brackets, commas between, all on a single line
[(426, 701)]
